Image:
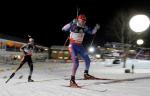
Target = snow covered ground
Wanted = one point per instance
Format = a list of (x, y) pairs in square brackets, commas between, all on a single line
[(51, 77)]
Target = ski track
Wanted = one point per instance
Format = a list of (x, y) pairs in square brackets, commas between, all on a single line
[(50, 80)]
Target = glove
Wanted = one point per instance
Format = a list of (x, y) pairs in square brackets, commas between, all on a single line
[(74, 21), (97, 26)]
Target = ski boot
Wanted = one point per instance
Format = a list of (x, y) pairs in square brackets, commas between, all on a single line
[(89, 77), (29, 79), (11, 76), (73, 83)]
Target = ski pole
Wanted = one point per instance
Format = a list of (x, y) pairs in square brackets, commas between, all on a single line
[(78, 9), (66, 41), (93, 40)]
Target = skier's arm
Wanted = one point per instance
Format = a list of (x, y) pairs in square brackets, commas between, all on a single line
[(36, 48), (95, 28), (68, 26), (22, 48), (93, 31)]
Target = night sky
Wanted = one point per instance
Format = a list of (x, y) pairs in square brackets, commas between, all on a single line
[(44, 20)]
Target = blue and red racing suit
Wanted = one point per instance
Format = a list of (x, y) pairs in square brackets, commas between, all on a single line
[(75, 47)]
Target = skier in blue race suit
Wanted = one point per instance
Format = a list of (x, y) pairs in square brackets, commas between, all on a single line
[(78, 29)]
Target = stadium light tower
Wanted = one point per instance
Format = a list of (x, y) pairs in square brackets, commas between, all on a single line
[(138, 23)]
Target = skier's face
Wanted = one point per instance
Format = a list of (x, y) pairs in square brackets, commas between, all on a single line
[(31, 42), (82, 22)]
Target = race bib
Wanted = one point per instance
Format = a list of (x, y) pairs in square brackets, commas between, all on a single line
[(29, 52), (76, 37)]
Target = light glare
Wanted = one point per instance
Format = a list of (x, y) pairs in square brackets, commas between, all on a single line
[(139, 23)]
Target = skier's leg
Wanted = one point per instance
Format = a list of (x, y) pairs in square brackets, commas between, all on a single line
[(75, 61), (30, 63), (20, 65), (75, 64), (74, 58), (87, 60)]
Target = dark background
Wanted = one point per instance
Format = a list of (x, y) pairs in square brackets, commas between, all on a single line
[(43, 20)]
